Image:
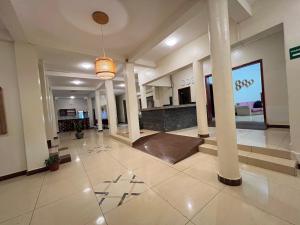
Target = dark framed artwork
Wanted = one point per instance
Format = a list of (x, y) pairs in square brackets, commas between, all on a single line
[(3, 127)]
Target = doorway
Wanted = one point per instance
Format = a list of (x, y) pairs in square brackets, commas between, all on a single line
[(248, 93), (125, 111), (150, 102), (184, 96)]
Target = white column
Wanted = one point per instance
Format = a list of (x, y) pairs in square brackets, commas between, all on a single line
[(98, 111), (200, 99), (156, 96), (223, 97), (45, 99), (111, 106), (132, 104), (90, 111), (31, 106), (53, 114), (143, 96)]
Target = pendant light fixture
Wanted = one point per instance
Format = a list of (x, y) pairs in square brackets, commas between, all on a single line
[(104, 66)]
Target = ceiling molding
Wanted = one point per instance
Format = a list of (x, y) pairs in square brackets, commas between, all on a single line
[(9, 18), (68, 88), (79, 75), (239, 10)]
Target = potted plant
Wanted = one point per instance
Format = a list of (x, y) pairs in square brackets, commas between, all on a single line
[(52, 163), (78, 129)]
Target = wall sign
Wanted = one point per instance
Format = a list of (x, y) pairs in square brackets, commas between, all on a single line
[(3, 127), (295, 52)]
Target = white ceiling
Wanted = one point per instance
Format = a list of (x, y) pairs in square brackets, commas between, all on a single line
[(194, 28), (66, 36), (65, 24), (68, 82)]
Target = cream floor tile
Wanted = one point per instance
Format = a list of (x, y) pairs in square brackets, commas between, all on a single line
[(70, 170), (187, 194), (205, 172), (146, 209), (227, 210), (155, 173), (188, 162), (54, 191), (273, 176), (77, 209), (20, 220), (134, 161), (98, 221), (99, 160), (101, 174), (190, 223), (280, 200), (19, 195)]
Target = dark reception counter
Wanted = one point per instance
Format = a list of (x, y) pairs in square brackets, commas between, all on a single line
[(69, 124), (169, 118)]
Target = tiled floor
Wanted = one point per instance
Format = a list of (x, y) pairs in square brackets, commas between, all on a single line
[(273, 137), (134, 188)]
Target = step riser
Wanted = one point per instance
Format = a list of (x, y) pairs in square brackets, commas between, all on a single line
[(256, 162), (260, 150)]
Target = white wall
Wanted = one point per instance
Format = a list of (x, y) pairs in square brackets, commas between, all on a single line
[(269, 13), (12, 147), (182, 79), (271, 51), (80, 104), (164, 95)]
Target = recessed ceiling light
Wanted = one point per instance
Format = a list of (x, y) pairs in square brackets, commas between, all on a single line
[(121, 85), (77, 82), (72, 97), (86, 65), (171, 41)]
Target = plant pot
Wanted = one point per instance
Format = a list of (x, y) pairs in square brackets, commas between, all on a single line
[(79, 135), (54, 166)]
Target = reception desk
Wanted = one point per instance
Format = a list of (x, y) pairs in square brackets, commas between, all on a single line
[(169, 118), (68, 124)]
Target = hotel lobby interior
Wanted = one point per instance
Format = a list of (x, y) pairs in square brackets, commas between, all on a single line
[(139, 112)]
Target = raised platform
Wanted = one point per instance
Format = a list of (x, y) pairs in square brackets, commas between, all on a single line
[(278, 160), (168, 147)]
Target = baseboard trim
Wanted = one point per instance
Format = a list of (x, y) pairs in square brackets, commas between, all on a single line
[(203, 135), (277, 126), (13, 175), (230, 182), (35, 171)]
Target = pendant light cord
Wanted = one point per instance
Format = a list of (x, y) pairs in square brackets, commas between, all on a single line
[(102, 40)]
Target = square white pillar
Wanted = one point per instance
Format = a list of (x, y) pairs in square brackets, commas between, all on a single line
[(46, 103), (31, 106), (143, 96), (156, 98)]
